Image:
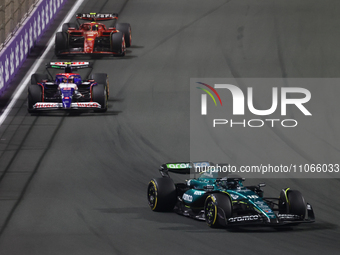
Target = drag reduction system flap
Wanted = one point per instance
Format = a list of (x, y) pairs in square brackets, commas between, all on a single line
[(178, 167), (74, 65), (182, 167), (92, 16), (68, 66)]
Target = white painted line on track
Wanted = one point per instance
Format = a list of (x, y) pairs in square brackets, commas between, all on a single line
[(35, 65)]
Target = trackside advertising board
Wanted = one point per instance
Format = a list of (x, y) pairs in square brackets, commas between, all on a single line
[(16, 51)]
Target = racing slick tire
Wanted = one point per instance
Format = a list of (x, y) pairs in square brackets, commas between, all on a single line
[(118, 43), (283, 204), (99, 95), (126, 29), (297, 204), (292, 202), (162, 195), (66, 26), (101, 78), (37, 77), (61, 43), (217, 210), (34, 96)]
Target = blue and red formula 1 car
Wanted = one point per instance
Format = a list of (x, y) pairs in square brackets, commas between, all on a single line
[(92, 37), (67, 90), (224, 201)]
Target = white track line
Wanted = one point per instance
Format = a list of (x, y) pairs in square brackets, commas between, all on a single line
[(37, 63)]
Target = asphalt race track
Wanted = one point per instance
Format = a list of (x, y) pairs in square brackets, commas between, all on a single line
[(76, 183)]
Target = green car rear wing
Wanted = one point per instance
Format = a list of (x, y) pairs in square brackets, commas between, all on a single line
[(182, 167), (177, 167)]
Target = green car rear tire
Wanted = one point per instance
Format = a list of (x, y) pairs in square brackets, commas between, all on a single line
[(162, 194)]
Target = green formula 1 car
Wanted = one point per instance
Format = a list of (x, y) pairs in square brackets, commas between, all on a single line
[(224, 201)]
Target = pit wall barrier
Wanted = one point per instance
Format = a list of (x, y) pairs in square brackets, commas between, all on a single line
[(18, 48)]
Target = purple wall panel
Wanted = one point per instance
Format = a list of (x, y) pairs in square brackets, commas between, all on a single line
[(16, 51)]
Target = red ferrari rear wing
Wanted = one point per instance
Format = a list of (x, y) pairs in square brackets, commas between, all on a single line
[(97, 16)]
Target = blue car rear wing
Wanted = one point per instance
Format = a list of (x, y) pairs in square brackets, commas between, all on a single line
[(70, 65), (67, 67)]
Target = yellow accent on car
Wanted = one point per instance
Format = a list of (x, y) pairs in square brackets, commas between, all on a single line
[(213, 199), (215, 218), (228, 195), (287, 196), (154, 184), (257, 210)]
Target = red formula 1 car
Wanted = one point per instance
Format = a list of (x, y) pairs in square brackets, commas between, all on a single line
[(93, 37)]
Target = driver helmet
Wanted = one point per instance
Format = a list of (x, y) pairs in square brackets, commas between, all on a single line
[(71, 79), (95, 27)]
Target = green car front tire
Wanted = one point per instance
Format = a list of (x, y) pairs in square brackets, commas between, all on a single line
[(217, 210)]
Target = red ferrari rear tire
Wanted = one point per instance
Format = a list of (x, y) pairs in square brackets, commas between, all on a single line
[(118, 43), (126, 29)]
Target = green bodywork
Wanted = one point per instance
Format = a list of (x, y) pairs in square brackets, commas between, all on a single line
[(202, 187)]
